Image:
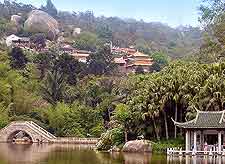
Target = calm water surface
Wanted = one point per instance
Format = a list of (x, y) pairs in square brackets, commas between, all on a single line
[(84, 154)]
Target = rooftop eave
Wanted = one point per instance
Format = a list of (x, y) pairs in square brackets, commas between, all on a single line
[(185, 124)]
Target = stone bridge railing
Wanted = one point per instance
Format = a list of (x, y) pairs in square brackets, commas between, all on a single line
[(38, 134)]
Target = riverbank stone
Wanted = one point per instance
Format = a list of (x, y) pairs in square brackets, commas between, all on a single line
[(137, 146)]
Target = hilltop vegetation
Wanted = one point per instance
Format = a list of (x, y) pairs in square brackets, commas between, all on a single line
[(147, 37)]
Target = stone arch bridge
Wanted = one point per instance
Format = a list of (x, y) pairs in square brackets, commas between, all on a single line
[(34, 132)]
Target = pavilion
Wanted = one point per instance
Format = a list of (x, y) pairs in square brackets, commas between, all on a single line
[(206, 131)]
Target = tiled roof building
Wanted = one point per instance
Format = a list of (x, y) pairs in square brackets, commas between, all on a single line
[(205, 132)]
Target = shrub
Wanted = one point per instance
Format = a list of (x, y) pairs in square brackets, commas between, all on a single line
[(114, 137), (3, 116)]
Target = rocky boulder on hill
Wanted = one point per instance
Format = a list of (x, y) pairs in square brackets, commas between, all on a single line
[(137, 146), (41, 22), (16, 19)]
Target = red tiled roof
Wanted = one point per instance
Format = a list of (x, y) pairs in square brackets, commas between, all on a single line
[(120, 60), (128, 51), (141, 63), (80, 54), (137, 54)]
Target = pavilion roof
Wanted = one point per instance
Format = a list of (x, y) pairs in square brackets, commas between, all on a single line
[(205, 120)]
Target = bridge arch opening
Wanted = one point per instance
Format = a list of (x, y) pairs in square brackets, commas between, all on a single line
[(19, 136)]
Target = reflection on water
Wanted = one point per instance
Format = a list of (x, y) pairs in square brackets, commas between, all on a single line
[(196, 160), (85, 154)]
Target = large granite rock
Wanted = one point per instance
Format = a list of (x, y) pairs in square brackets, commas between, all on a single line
[(41, 22), (16, 19), (137, 146), (76, 31)]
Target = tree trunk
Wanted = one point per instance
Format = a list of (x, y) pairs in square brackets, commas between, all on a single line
[(181, 119), (155, 129), (108, 110), (166, 124), (42, 74), (175, 128), (125, 135), (11, 111), (11, 95)]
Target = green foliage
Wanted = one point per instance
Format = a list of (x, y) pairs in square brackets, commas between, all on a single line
[(4, 26), (76, 120), (212, 17), (52, 89), (104, 32), (162, 145), (4, 119), (142, 46), (160, 60), (97, 130), (70, 68), (45, 62), (122, 32), (122, 113), (86, 41), (58, 117), (17, 58), (111, 138), (101, 62), (211, 10), (89, 119)]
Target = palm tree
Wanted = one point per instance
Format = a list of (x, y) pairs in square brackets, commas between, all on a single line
[(53, 87)]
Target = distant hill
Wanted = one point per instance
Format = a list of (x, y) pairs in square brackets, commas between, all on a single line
[(155, 36), (177, 42)]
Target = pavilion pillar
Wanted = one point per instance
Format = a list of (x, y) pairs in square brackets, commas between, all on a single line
[(219, 142), (195, 140), (202, 140), (187, 141)]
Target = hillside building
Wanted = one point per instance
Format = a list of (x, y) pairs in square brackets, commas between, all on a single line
[(129, 59)]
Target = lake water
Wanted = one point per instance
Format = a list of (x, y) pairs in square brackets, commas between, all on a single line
[(84, 154)]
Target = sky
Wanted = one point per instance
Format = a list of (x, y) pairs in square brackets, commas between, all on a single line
[(171, 12)]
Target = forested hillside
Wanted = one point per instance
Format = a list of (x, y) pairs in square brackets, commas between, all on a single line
[(147, 37)]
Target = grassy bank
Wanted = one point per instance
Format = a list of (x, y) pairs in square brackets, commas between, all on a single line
[(162, 145)]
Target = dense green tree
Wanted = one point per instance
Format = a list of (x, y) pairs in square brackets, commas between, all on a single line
[(45, 62), (86, 41), (212, 17), (211, 10), (142, 46), (17, 58), (104, 32), (122, 114), (101, 62), (52, 89), (70, 67), (76, 120), (4, 119), (160, 60), (4, 26)]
